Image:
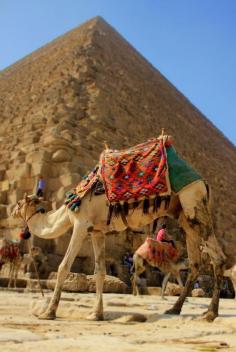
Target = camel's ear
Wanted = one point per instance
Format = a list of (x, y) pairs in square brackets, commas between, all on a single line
[(25, 196)]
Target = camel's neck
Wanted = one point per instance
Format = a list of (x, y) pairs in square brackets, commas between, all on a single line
[(50, 225)]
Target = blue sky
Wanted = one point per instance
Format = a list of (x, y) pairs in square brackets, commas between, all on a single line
[(192, 42)]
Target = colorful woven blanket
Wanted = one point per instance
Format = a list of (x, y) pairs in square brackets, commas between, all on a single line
[(10, 251), (135, 173), (157, 253)]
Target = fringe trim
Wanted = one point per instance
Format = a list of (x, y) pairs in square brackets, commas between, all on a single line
[(123, 209)]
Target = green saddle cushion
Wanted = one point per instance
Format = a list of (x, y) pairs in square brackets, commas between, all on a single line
[(181, 173)]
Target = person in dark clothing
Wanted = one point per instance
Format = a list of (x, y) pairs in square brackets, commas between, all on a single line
[(40, 187)]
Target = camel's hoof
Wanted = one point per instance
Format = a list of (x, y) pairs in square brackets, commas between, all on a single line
[(47, 316), (95, 317), (209, 316), (172, 311)]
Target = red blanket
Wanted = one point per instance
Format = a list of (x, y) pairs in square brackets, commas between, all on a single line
[(135, 173), (157, 253)]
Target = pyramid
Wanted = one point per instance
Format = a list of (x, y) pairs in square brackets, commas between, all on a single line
[(59, 104)]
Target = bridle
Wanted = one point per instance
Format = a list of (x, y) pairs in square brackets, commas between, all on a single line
[(24, 217)]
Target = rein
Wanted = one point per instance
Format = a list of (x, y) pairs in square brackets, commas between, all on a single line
[(26, 230)]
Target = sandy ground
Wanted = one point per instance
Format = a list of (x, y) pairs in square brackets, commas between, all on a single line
[(22, 332)]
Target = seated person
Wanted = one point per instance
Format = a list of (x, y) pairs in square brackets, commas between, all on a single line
[(163, 237)]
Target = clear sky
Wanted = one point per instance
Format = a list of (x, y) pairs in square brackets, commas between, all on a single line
[(192, 42)]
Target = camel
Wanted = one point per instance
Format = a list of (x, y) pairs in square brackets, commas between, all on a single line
[(169, 268), (190, 206), (10, 253)]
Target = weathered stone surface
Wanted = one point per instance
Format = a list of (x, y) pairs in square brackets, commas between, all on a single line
[(3, 211), (198, 292), (111, 284), (70, 179), (173, 289), (61, 155), (3, 197), (74, 282)]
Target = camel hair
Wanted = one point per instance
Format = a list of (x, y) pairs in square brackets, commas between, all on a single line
[(10, 253), (169, 267), (190, 207)]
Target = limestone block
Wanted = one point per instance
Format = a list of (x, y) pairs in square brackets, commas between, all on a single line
[(26, 184), (4, 186), (70, 179), (22, 170), (51, 140), (2, 173), (38, 156), (111, 284), (39, 168), (74, 282), (53, 184), (15, 195), (3, 197), (61, 155), (173, 289), (198, 292), (3, 211)]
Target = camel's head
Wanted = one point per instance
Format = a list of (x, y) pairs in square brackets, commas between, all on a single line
[(37, 254), (26, 207)]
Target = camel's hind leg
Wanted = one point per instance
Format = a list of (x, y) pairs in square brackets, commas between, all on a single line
[(218, 262), (139, 268), (11, 272), (98, 240), (78, 236), (193, 248)]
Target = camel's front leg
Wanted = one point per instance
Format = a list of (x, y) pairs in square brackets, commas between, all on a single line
[(78, 236), (98, 240), (164, 283)]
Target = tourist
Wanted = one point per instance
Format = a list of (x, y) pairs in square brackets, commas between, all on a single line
[(163, 237), (40, 187)]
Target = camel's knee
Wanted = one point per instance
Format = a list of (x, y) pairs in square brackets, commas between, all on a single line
[(100, 269)]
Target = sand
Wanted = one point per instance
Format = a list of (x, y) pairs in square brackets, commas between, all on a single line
[(22, 332)]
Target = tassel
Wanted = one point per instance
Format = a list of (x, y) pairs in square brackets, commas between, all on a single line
[(126, 208), (136, 204), (157, 203), (110, 212), (146, 204), (154, 226), (117, 209), (167, 202)]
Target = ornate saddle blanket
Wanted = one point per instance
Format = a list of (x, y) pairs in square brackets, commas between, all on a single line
[(157, 253), (136, 173), (147, 171), (10, 251)]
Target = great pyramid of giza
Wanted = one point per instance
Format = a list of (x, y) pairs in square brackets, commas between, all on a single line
[(59, 104)]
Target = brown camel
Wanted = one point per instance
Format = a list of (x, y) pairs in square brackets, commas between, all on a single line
[(168, 267), (10, 253), (190, 206)]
